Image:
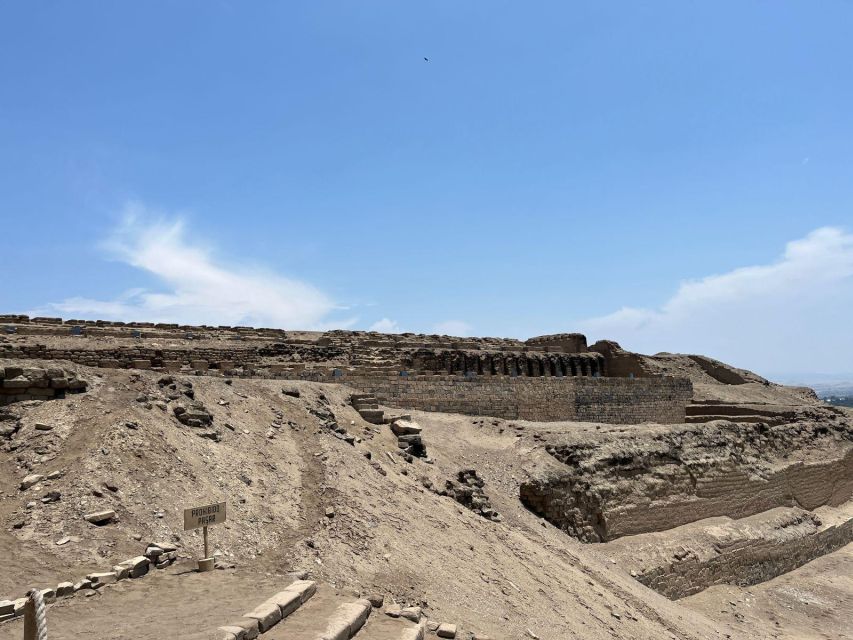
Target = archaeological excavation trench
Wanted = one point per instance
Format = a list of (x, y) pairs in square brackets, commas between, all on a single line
[(691, 506)]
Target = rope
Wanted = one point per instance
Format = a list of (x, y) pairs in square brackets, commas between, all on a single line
[(37, 599)]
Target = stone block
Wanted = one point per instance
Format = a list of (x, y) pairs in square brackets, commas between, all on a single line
[(405, 428), (30, 480), (346, 620), (98, 580), (7, 607), (249, 626), (305, 588), (165, 546), (230, 632), (136, 567), (100, 517), (64, 589), (411, 613), (267, 614), (446, 630), (287, 601), (20, 603), (16, 383), (415, 633)]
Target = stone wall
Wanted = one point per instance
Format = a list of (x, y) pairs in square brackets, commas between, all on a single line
[(613, 400), (36, 383)]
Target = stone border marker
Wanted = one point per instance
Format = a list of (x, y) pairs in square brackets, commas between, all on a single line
[(268, 614)]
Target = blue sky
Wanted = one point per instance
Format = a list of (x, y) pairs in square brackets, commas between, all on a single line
[(672, 175)]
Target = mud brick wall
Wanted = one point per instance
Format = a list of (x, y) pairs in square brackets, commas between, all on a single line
[(136, 357), (36, 383), (544, 399), (631, 401), (747, 561)]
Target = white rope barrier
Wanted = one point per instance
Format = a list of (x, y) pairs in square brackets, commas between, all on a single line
[(35, 617)]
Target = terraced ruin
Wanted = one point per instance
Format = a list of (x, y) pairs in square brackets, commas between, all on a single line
[(465, 487)]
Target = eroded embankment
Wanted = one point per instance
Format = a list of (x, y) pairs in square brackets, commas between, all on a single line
[(628, 483), (691, 558)]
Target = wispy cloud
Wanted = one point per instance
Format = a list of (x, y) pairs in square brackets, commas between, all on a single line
[(196, 287), (452, 328), (779, 317), (386, 325)]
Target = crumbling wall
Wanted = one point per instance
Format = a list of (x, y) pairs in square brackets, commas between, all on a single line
[(621, 363), (36, 383), (564, 342)]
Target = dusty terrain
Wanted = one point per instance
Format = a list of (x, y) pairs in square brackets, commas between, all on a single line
[(315, 490)]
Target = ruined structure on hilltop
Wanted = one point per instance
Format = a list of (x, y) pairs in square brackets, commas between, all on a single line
[(546, 378), (554, 377)]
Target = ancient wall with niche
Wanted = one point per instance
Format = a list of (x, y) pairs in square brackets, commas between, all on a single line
[(530, 364)]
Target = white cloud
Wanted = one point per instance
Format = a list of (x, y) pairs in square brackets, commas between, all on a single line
[(788, 316), (197, 289), (452, 328), (386, 325)]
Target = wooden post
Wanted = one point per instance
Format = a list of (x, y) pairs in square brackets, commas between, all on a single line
[(30, 630), (205, 544)]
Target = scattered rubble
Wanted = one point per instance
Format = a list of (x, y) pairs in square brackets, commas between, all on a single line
[(468, 491)]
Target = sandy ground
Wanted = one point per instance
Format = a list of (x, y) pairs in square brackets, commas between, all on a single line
[(174, 603)]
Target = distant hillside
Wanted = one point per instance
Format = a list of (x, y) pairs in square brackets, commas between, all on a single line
[(827, 386)]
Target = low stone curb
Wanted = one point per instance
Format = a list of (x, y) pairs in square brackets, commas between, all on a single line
[(347, 619), (269, 613), (159, 555)]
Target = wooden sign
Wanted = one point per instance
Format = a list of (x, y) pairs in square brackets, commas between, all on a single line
[(205, 516)]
